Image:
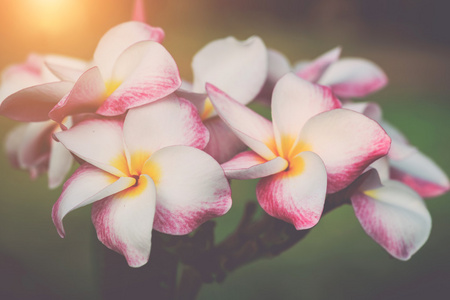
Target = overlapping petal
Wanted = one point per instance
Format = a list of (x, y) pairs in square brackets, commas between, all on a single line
[(296, 195), (33, 104), (294, 102), (314, 70), (249, 165), (119, 38), (124, 221), (190, 188), (60, 162), (87, 185), (146, 72), (170, 121), (99, 142), (347, 142), (239, 68), (254, 130), (395, 217), (354, 78)]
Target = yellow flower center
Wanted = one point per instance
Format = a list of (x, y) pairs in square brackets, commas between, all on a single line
[(110, 87), (208, 110)]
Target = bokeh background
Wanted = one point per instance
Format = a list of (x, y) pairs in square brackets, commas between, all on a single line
[(408, 39)]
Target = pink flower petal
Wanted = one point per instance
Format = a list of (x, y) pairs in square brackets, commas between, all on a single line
[(170, 121), (294, 102), (369, 109), (147, 72), (296, 195), (354, 78), (249, 165), (395, 217), (33, 104), (421, 174), (65, 68), (99, 142), (313, 70), (86, 95), (347, 142), (254, 130), (139, 11), (237, 67), (119, 38), (13, 142), (191, 188), (87, 185), (223, 143), (124, 221)]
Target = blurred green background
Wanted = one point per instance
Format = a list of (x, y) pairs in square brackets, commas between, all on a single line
[(407, 39)]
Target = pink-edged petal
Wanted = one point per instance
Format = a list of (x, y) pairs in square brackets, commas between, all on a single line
[(237, 67), (147, 73), (13, 142), (347, 141), (99, 142), (86, 95), (124, 222), (395, 217), (198, 99), (369, 109), (87, 185), (400, 147), (313, 70), (35, 143), (294, 102), (119, 38), (421, 174), (33, 104), (65, 68), (354, 78), (254, 130), (277, 67), (60, 163), (191, 188), (223, 143), (296, 195), (170, 121), (249, 165)]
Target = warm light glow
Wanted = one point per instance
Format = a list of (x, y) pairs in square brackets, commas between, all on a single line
[(52, 16)]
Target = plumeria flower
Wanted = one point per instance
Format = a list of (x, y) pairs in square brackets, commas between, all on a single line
[(347, 77), (407, 164), (237, 67), (30, 146), (30, 90), (312, 148), (391, 213), (141, 174)]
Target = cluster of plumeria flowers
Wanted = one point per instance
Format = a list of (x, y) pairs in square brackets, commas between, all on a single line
[(157, 152)]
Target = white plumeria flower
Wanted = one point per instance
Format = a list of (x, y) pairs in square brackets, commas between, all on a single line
[(30, 146), (312, 148), (237, 67), (141, 174), (391, 213), (407, 164), (347, 77)]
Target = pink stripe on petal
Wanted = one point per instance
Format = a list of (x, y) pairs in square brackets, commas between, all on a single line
[(33, 104), (147, 72), (254, 130), (423, 187), (124, 222), (395, 217), (249, 165), (191, 188), (296, 195), (347, 142), (313, 70), (87, 185)]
